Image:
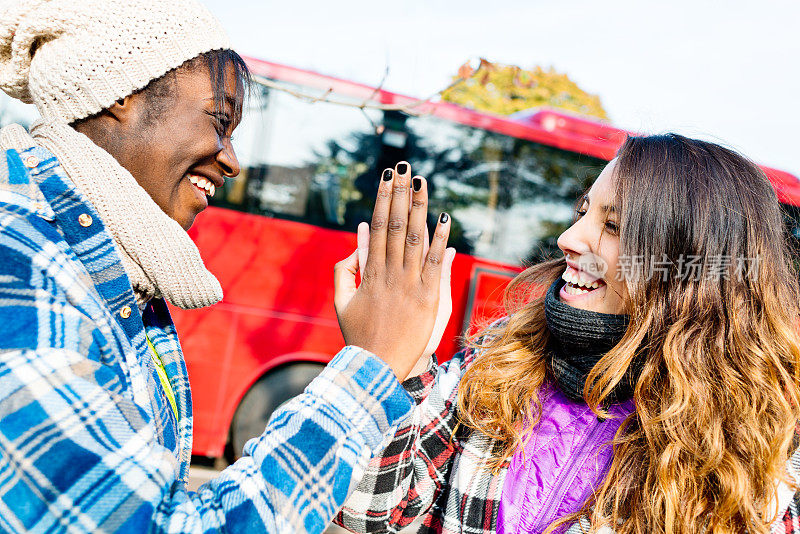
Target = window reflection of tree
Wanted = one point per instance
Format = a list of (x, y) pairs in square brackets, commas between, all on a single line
[(474, 174), (791, 217)]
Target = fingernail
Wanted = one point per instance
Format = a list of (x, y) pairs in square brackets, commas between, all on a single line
[(402, 168), (387, 175), (443, 218), (416, 183)]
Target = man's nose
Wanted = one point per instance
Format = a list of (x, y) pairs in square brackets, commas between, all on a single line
[(228, 161)]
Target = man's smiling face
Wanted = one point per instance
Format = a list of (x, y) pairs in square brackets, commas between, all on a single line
[(176, 139), (184, 154)]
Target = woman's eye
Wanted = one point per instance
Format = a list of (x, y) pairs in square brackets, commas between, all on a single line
[(612, 226), (580, 213)]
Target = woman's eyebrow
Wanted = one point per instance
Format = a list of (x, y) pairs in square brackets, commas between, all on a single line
[(604, 207)]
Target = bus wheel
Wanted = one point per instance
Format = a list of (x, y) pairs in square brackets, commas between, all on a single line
[(263, 398)]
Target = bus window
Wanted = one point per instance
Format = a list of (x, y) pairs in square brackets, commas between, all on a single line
[(320, 163), (284, 145), (791, 217), (510, 198)]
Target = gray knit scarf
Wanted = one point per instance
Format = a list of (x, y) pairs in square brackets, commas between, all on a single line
[(578, 340)]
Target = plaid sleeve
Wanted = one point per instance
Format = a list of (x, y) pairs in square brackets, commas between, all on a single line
[(404, 479), (420, 386), (299, 472), (79, 456), (791, 519), (789, 500)]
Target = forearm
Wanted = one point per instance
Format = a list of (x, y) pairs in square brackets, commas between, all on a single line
[(298, 473), (80, 448), (404, 479)]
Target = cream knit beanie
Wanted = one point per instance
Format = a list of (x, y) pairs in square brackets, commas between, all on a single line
[(74, 58)]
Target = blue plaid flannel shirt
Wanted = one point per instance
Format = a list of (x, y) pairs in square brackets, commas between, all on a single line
[(88, 440)]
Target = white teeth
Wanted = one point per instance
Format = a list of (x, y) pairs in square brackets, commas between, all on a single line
[(575, 280), (574, 290), (203, 184)]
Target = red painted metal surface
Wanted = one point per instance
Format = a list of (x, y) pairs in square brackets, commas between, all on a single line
[(278, 275)]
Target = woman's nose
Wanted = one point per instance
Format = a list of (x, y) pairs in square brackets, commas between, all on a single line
[(579, 238)]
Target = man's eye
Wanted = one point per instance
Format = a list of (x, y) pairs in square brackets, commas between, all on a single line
[(222, 123), (223, 126)]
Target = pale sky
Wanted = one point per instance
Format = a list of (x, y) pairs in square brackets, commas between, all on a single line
[(728, 71)]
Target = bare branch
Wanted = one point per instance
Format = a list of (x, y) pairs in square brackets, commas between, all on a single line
[(330, 97)]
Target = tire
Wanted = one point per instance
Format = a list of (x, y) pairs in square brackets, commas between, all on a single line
[(263, 398)]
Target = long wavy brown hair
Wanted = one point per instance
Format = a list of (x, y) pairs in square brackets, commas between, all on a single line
[(717, 400)]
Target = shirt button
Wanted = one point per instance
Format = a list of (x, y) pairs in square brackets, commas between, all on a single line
[(85, 220), (31, 161), (125, 312)]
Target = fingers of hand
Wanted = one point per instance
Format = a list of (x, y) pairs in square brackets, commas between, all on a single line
[(447, 268), (363, 246), (431, 271), (376, 258), (416, 233), (425, 246), (344, 280), (397, 224), (444, 279)]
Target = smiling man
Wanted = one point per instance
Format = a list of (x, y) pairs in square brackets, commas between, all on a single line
[(138, 101)]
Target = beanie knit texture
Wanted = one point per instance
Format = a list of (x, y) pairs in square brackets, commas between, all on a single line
[(74, 58)]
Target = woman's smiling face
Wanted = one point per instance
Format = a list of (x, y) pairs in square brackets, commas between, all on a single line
[(591, 247)]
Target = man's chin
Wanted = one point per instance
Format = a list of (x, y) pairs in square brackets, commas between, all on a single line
[(185, 218), (187, 221)]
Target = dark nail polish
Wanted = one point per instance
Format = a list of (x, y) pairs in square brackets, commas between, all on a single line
[(402, 168), (387, 175), (443, 218), (416, 183)]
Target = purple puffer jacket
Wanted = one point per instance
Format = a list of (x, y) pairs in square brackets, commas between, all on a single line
[(565, 458)]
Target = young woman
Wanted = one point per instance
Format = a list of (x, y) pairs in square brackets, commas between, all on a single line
[(647, 382)]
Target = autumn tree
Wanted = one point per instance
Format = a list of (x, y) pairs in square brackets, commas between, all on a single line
[(506, 89)]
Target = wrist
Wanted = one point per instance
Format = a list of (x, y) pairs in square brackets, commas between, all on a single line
[(400, 366), (420, 366)]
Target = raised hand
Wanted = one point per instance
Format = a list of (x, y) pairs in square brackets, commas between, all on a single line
[(445, 295), (393, 311)]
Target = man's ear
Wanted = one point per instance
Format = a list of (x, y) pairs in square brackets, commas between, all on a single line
[(122, 109)]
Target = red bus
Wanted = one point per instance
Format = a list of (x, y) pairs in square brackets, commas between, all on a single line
[(309, 175)]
